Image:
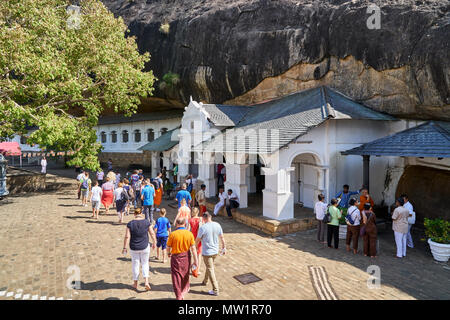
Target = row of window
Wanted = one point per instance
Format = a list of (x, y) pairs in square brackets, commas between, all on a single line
[(136, 133)]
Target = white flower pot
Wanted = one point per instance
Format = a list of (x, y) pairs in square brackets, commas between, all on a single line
[(342, 231), (440, 251)]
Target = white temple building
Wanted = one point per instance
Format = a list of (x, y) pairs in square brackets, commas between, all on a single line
[(296, 143)]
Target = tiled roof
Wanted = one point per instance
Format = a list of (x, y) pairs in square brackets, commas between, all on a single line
[(430, 139), (165, 142), (291, 116), (225, 115), (151, 116)]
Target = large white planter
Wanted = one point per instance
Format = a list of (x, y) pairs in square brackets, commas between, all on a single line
[(342, 231), (440, 251)]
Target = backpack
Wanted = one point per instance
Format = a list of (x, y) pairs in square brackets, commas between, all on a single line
[(84, 183), (124, 195), (327, 217), (189, 187), (349, 219), (156, 184), (130, 192)]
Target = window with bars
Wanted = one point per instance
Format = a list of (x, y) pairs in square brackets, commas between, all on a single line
[(150, 135), (103, 136), (113, 137), (137, 135), (124, 136)]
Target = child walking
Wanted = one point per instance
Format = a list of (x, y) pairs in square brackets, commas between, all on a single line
[(96, 196), (162, 230)]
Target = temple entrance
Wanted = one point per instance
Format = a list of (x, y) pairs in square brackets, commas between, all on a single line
[(259, 177), (305, 179), (193, 165), (256, 182)]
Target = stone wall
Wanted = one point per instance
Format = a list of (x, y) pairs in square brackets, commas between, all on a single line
[(125, 159), (428, 190), (24, 181), (271, 227)]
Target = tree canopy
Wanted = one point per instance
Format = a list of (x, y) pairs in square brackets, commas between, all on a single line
[(60, 68)]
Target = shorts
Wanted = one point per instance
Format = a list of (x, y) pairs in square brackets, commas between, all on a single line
[(120, 205), (96, 204), (161, 242), (84, 193)]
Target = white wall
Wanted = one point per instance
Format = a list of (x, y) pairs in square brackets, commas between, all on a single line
[(348, 134), (131, 146), (25, 147), (327, 141)]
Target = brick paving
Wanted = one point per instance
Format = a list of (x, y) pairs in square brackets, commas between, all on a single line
[(42, 234)]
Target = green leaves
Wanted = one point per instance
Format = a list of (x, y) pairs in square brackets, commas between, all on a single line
[(438, 230), (60, 78)]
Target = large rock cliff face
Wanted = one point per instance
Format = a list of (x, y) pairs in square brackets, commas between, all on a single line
[(248, 51)]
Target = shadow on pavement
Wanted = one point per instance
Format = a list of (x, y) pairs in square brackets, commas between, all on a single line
[(160, 270), (161, 287), (102, 285), (407, 275), (105, 222), (124, 259)]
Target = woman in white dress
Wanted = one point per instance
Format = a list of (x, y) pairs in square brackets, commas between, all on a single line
[(44, 165)]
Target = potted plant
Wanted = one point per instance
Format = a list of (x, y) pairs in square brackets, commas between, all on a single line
[(437, 232)]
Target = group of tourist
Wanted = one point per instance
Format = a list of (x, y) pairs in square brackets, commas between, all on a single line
[(361, 221), (194, 238)]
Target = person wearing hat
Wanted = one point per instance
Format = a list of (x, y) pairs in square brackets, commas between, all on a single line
[(400, 226)]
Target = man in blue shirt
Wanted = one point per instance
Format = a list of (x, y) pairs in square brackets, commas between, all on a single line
[(345, 195), (183, 194), (147, 195)]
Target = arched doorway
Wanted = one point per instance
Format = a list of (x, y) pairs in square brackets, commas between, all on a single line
[(305, 179)]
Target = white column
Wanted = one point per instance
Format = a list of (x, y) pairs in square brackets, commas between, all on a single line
[(206, 174), (320, 183), (251, 179), (155, 163), (183, 171), (278, 200), (327, 185), (236, 181)]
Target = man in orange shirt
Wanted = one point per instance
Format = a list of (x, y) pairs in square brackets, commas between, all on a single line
[(181, 245), (365, 198)]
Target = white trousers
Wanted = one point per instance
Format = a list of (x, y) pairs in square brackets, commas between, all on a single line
[(400, 241), (217, 207), (44, 169), (140, 258), (409, 240)]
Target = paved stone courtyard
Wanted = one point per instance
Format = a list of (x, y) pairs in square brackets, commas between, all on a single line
[(43, 234)]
